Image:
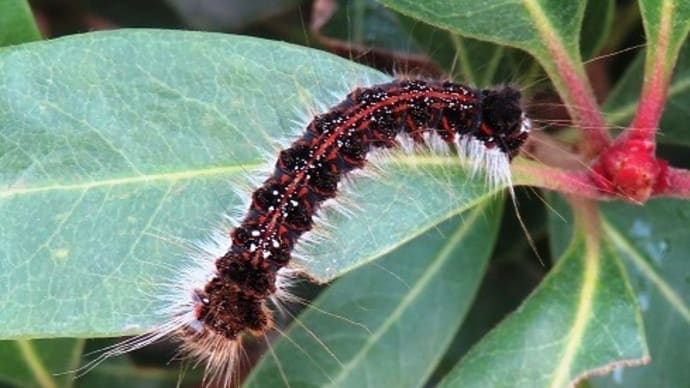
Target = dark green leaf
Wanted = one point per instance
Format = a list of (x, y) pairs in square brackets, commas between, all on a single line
[(541, 28), (654, 242), (581, 319), (387, 324), (368, 24), (120, 372), (17, 24), (473, 61), (132, 13), (478, 20), (39, 363), (219, 15), (596, 26)]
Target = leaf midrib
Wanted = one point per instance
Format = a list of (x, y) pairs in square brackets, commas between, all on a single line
[(583, 314), (10, 191), (33, 362), (147, 178)]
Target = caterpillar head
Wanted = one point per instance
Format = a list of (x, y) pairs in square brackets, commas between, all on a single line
[(504, 124)]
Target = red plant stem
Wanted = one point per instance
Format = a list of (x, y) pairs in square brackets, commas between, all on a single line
[(648, 115), (655, 89), (579, 183), (583, 106), (678, 184), (582, 183), (577, 92)]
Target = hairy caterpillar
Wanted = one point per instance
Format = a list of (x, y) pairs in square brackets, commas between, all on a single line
[(222, 299)]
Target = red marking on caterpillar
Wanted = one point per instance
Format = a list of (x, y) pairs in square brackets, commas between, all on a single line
[(229, 299)]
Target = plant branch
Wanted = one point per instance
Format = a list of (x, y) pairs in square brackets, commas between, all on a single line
[(672, 182), (571, 81), (678, 184), (578, 183), (657, 77), (582, 105)]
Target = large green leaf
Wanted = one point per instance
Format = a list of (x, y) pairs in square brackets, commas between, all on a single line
[(119, 149), (582, 319), (17, 23), (654, 242), (387, 324)]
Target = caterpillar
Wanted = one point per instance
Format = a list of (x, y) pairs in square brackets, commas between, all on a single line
[(222, 303)]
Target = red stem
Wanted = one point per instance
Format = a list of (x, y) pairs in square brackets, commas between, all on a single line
[(650, 108), (586, 184), (654, 91), (579, 183), (678, 184), (584, 108)]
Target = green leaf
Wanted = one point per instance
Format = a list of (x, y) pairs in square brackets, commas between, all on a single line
[(17, 23), (122, 13), (222, 15), (120, 372), (549, 30), (513, 272), (581, 319), (44, 363), (669, 19), (560, 224), (121, 148), (367, 24), (370, 24), (596, 26), (386, 324), (622, 102), (654, 241), (472, 61), (529, 20)]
